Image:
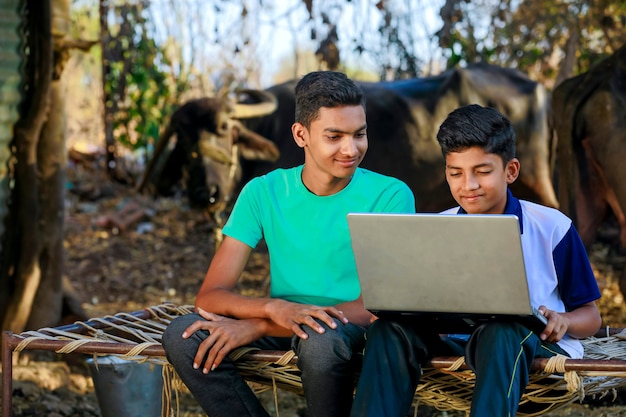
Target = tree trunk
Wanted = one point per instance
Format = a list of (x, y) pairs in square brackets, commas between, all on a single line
[(40, 294), (25, 207), (47, 309), (55, 297)]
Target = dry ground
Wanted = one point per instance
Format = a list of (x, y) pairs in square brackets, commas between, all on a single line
[(163, 257)]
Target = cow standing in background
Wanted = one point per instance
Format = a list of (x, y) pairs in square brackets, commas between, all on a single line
[(403, 118), (589, 113)]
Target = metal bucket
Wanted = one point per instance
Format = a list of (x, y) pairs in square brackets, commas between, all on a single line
[(127, 388)]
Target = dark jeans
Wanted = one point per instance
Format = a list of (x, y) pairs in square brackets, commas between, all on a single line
[(327, 363), (500, 354)]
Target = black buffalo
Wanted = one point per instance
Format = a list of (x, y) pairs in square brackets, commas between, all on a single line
[(589, 113), (403, 118)]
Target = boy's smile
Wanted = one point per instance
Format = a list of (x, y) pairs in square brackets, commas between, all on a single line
[(334, 146), (478, 180)]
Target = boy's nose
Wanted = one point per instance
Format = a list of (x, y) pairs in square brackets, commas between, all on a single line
[(470, 183), (349, 147)]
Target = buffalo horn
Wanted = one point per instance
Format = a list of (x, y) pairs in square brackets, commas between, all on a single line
[(264, 103)]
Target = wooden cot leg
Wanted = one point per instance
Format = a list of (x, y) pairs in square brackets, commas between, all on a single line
[(7, 375)]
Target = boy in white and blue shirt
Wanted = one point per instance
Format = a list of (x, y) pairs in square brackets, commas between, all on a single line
[(478, 145)]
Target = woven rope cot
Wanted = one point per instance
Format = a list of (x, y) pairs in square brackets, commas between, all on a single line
[(446, 384)]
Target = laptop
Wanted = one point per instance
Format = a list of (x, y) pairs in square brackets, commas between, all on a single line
[(446, 272)]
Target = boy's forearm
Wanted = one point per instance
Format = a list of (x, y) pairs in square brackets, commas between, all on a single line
[(227, 303), (356, 312)]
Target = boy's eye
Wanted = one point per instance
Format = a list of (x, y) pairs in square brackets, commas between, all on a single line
[(361, 135), (484, 172)]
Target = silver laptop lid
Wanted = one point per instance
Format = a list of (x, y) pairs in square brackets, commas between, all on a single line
[(440, 263)]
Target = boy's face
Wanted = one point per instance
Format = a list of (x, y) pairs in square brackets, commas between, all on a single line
[(335, 143), (478, 181)]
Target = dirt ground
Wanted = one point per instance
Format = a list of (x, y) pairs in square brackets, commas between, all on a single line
[(163, 256)]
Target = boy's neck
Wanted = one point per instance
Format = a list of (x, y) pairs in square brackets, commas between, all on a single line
[(322, 184)]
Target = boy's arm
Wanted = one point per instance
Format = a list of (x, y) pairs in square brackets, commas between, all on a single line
[(582, 322), (216, 293), (217, 296), (577, 283)]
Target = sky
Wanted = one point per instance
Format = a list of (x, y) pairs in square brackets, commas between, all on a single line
[(273, 30), (356, 21)]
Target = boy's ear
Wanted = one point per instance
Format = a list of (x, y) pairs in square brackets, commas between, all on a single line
[(512, 170), (299, 133)]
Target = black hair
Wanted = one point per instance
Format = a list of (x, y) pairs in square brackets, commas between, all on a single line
[(474, 125), (325, 89)]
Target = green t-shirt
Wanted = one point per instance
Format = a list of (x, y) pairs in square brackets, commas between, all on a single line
[(311, 259)]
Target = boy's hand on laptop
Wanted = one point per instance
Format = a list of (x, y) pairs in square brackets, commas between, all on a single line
[(557, 325), (293, 316)]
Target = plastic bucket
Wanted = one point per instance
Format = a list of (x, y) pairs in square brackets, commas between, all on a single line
[(127, 388)]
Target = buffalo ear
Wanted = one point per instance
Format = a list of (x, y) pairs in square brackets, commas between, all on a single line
[(253, 146)]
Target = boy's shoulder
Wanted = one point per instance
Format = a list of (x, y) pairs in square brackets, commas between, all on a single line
[(371, 183), (549, 213), (368, 175), (277, 175), (544, 218)]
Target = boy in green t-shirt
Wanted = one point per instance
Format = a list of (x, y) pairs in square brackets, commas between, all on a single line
[(314, 305)]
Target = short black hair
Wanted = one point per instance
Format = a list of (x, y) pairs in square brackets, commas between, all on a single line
[(474, 125), (325, 89)]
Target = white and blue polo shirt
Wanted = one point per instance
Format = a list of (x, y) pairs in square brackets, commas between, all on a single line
[(557, 267)]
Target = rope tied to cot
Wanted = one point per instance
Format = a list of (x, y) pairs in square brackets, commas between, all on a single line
[(556, 364)]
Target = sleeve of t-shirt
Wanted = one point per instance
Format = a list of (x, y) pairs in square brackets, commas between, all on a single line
[(244, 222), (398, 198), (577, 282)]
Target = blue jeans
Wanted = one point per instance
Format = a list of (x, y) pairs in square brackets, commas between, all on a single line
[(500, 354), (327, 363)]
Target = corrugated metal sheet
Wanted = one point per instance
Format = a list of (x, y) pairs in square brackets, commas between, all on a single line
[(10, 90)]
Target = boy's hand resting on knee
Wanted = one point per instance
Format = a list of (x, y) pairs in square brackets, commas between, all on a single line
[(293, 315), (225, 335)]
